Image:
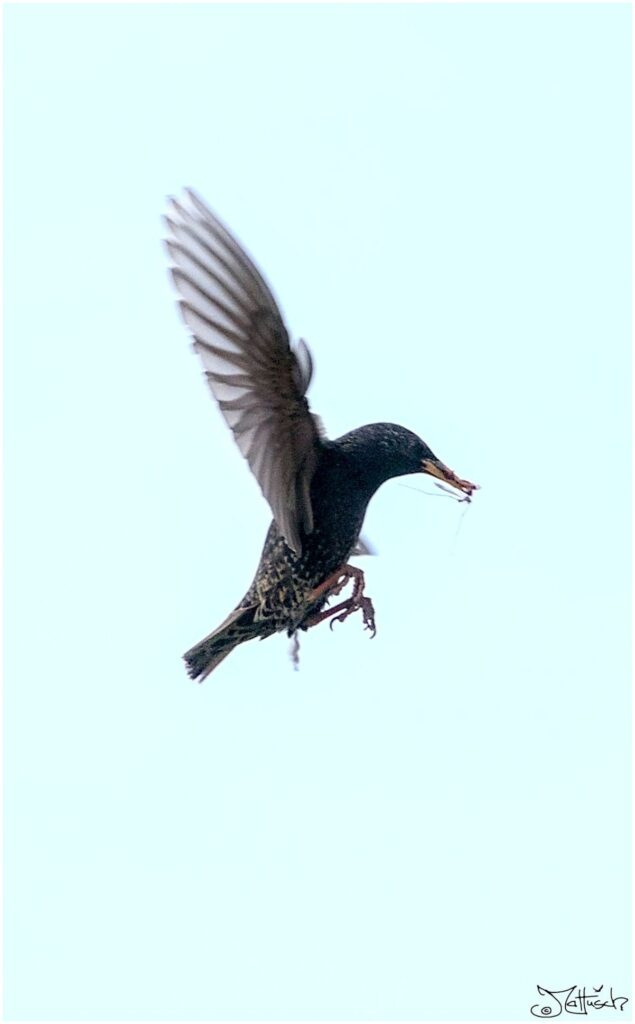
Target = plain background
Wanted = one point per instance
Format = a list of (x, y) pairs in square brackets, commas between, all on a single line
[(425, 825)]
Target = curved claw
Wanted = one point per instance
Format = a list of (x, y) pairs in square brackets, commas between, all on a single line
[(368, 613), (340, 618), (356, 602)]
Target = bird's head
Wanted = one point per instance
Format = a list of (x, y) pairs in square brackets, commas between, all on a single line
[(385, 450)]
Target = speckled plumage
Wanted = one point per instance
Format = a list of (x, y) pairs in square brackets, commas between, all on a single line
[(344, 482), (318, 489)]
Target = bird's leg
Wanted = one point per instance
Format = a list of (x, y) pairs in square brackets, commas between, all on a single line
[(336, 582), (357, 601)]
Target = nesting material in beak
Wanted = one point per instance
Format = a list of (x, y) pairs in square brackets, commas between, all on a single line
[(448, 476)]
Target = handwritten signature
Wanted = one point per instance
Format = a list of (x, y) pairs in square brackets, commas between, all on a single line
[(584, 1000)]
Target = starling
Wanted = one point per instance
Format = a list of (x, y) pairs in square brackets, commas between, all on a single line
[(318, 489)]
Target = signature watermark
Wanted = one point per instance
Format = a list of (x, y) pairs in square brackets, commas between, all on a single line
[(563, 1000)]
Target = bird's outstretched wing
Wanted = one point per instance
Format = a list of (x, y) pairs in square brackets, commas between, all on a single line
[(258, 380)]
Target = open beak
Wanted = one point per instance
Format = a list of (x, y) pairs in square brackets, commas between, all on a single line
[(441, 472)]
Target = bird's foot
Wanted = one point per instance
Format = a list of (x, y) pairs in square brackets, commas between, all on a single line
[(356, 602), (335, 583)]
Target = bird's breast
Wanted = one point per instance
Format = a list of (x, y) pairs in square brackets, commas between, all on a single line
[(284, 580)]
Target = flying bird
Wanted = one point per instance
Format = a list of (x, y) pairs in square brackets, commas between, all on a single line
[(318, 489)]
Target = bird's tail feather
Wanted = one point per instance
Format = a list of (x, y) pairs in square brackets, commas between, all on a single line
[(206, 655)]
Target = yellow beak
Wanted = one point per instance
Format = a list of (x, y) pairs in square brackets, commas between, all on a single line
[(448, 476)]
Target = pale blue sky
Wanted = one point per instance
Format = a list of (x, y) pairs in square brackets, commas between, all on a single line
[(427, 825)]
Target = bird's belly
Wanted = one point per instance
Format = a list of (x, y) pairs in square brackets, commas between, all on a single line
[(284, 583)]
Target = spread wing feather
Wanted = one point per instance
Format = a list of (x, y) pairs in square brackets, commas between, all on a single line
[(258, 380)]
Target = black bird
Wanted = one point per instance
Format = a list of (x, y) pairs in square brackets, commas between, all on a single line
[(318, 489)]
